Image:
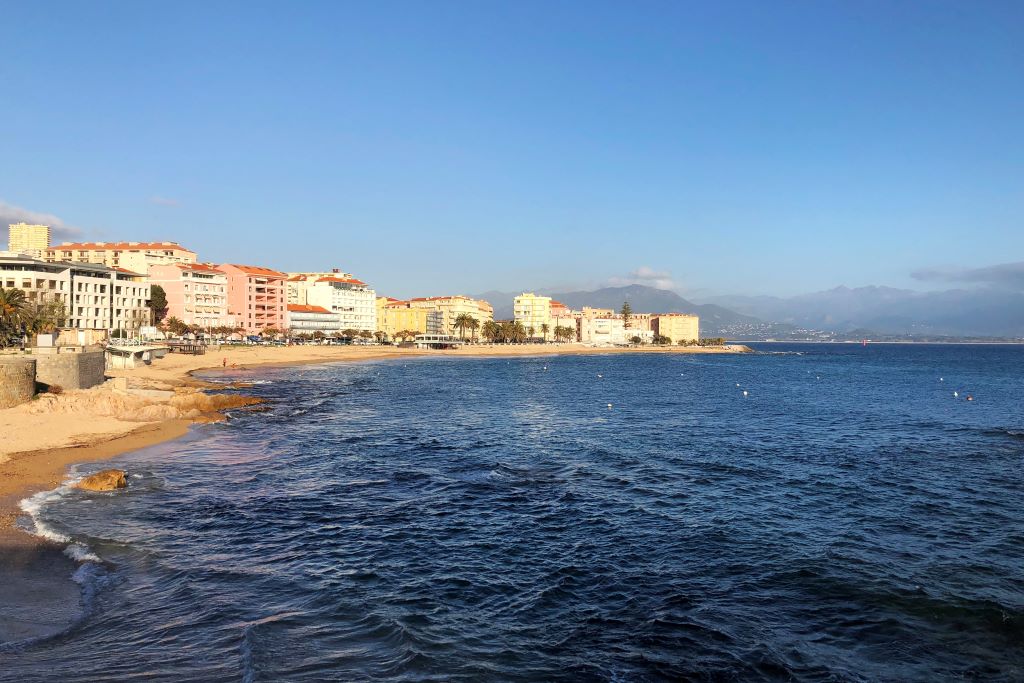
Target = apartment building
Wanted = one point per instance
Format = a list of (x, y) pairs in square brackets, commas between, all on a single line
[(340, 293), (256, 297), (394, 316), (533, 312), (305, 319), (451, 307), (27, 238), (676, 326), (133, 256), (95, 297), (197, 294)]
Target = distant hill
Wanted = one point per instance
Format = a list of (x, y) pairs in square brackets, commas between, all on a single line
[(956, 312), (715, 320)]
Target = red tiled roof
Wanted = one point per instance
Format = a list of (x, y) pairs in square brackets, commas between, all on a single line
[(350, 281), (199, 267), (116, 246), (125, 270), (257, 270), (304, 308)]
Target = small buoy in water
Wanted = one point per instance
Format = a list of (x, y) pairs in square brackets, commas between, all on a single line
[(737, 383), (941, 379), (545, 367), (744, 392), (969, 397), (599, 376), (609, 406), (955, 394)]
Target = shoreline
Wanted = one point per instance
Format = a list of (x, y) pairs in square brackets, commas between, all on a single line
[(35, 570)]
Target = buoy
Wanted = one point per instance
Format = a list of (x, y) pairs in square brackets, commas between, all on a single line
[(737, 383), (941, 379), (609, 406), (600, 376), (744, 392), (969, 397), (955, 394)]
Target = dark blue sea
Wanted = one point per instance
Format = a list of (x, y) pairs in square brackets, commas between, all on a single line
[(808, 513)]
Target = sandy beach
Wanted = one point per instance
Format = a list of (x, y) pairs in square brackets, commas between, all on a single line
[(43, 438)]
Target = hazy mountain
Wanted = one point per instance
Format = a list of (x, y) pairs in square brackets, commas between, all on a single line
[(715, 320), (956, 312)]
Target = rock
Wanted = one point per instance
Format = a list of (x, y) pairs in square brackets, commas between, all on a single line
[(107, 480)]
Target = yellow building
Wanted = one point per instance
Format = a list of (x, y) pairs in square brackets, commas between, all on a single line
[(451, 307), (26, 238), (394, 316), (676, 326), (533, 312), (134, 256)]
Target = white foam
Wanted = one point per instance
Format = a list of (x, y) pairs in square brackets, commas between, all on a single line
[(33, 505)]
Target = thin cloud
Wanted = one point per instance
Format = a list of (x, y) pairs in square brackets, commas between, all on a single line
[(164, 201), (645, 275), (1003, 275), (59, 230)]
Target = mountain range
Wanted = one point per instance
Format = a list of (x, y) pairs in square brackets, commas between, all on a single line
[(986, 311), (981, 312)]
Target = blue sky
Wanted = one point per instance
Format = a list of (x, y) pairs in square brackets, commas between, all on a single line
[(435, 147)]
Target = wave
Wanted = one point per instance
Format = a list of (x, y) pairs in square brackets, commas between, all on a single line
[(34, 506)]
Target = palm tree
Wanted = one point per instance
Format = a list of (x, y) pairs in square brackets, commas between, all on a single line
[(462, 322), (544, 329), (491, 331), (474, 326), (13, 308)]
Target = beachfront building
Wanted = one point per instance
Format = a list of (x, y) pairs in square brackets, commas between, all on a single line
[(197, 293), (95, 297), (341, 293), (134, 256), (533, 312), (256, 297), (610, 330), (451, 308), (29, 239), (394, 316), (677, 326), (306, 319)]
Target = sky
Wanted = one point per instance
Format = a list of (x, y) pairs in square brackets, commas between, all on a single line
[(457, 147)]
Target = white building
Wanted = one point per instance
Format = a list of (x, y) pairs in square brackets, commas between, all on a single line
[(306, 319), (95, 297), (610, 330), (340, 293)]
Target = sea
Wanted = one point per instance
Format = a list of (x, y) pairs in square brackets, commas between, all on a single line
[(809, 512)]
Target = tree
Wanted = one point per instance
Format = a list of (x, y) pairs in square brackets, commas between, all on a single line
[(350, 332), (491, 331), (365, 334), (157, 303), (380, 336), (544, 329), (528, 329), (463, 322), (269, 331), (175, 326), (13, 306), (636, 340), (318, 334), (627, 313), (44, 316), (662, 339), (564, 333)]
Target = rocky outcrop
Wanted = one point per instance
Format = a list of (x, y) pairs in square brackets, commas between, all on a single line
[(107, 480), (139, 406)]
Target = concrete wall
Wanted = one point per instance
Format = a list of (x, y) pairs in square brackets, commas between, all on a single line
[(17, 380), (70, 370)]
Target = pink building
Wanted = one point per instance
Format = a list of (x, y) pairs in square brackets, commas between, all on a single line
[(197, 294), (256, 297)]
